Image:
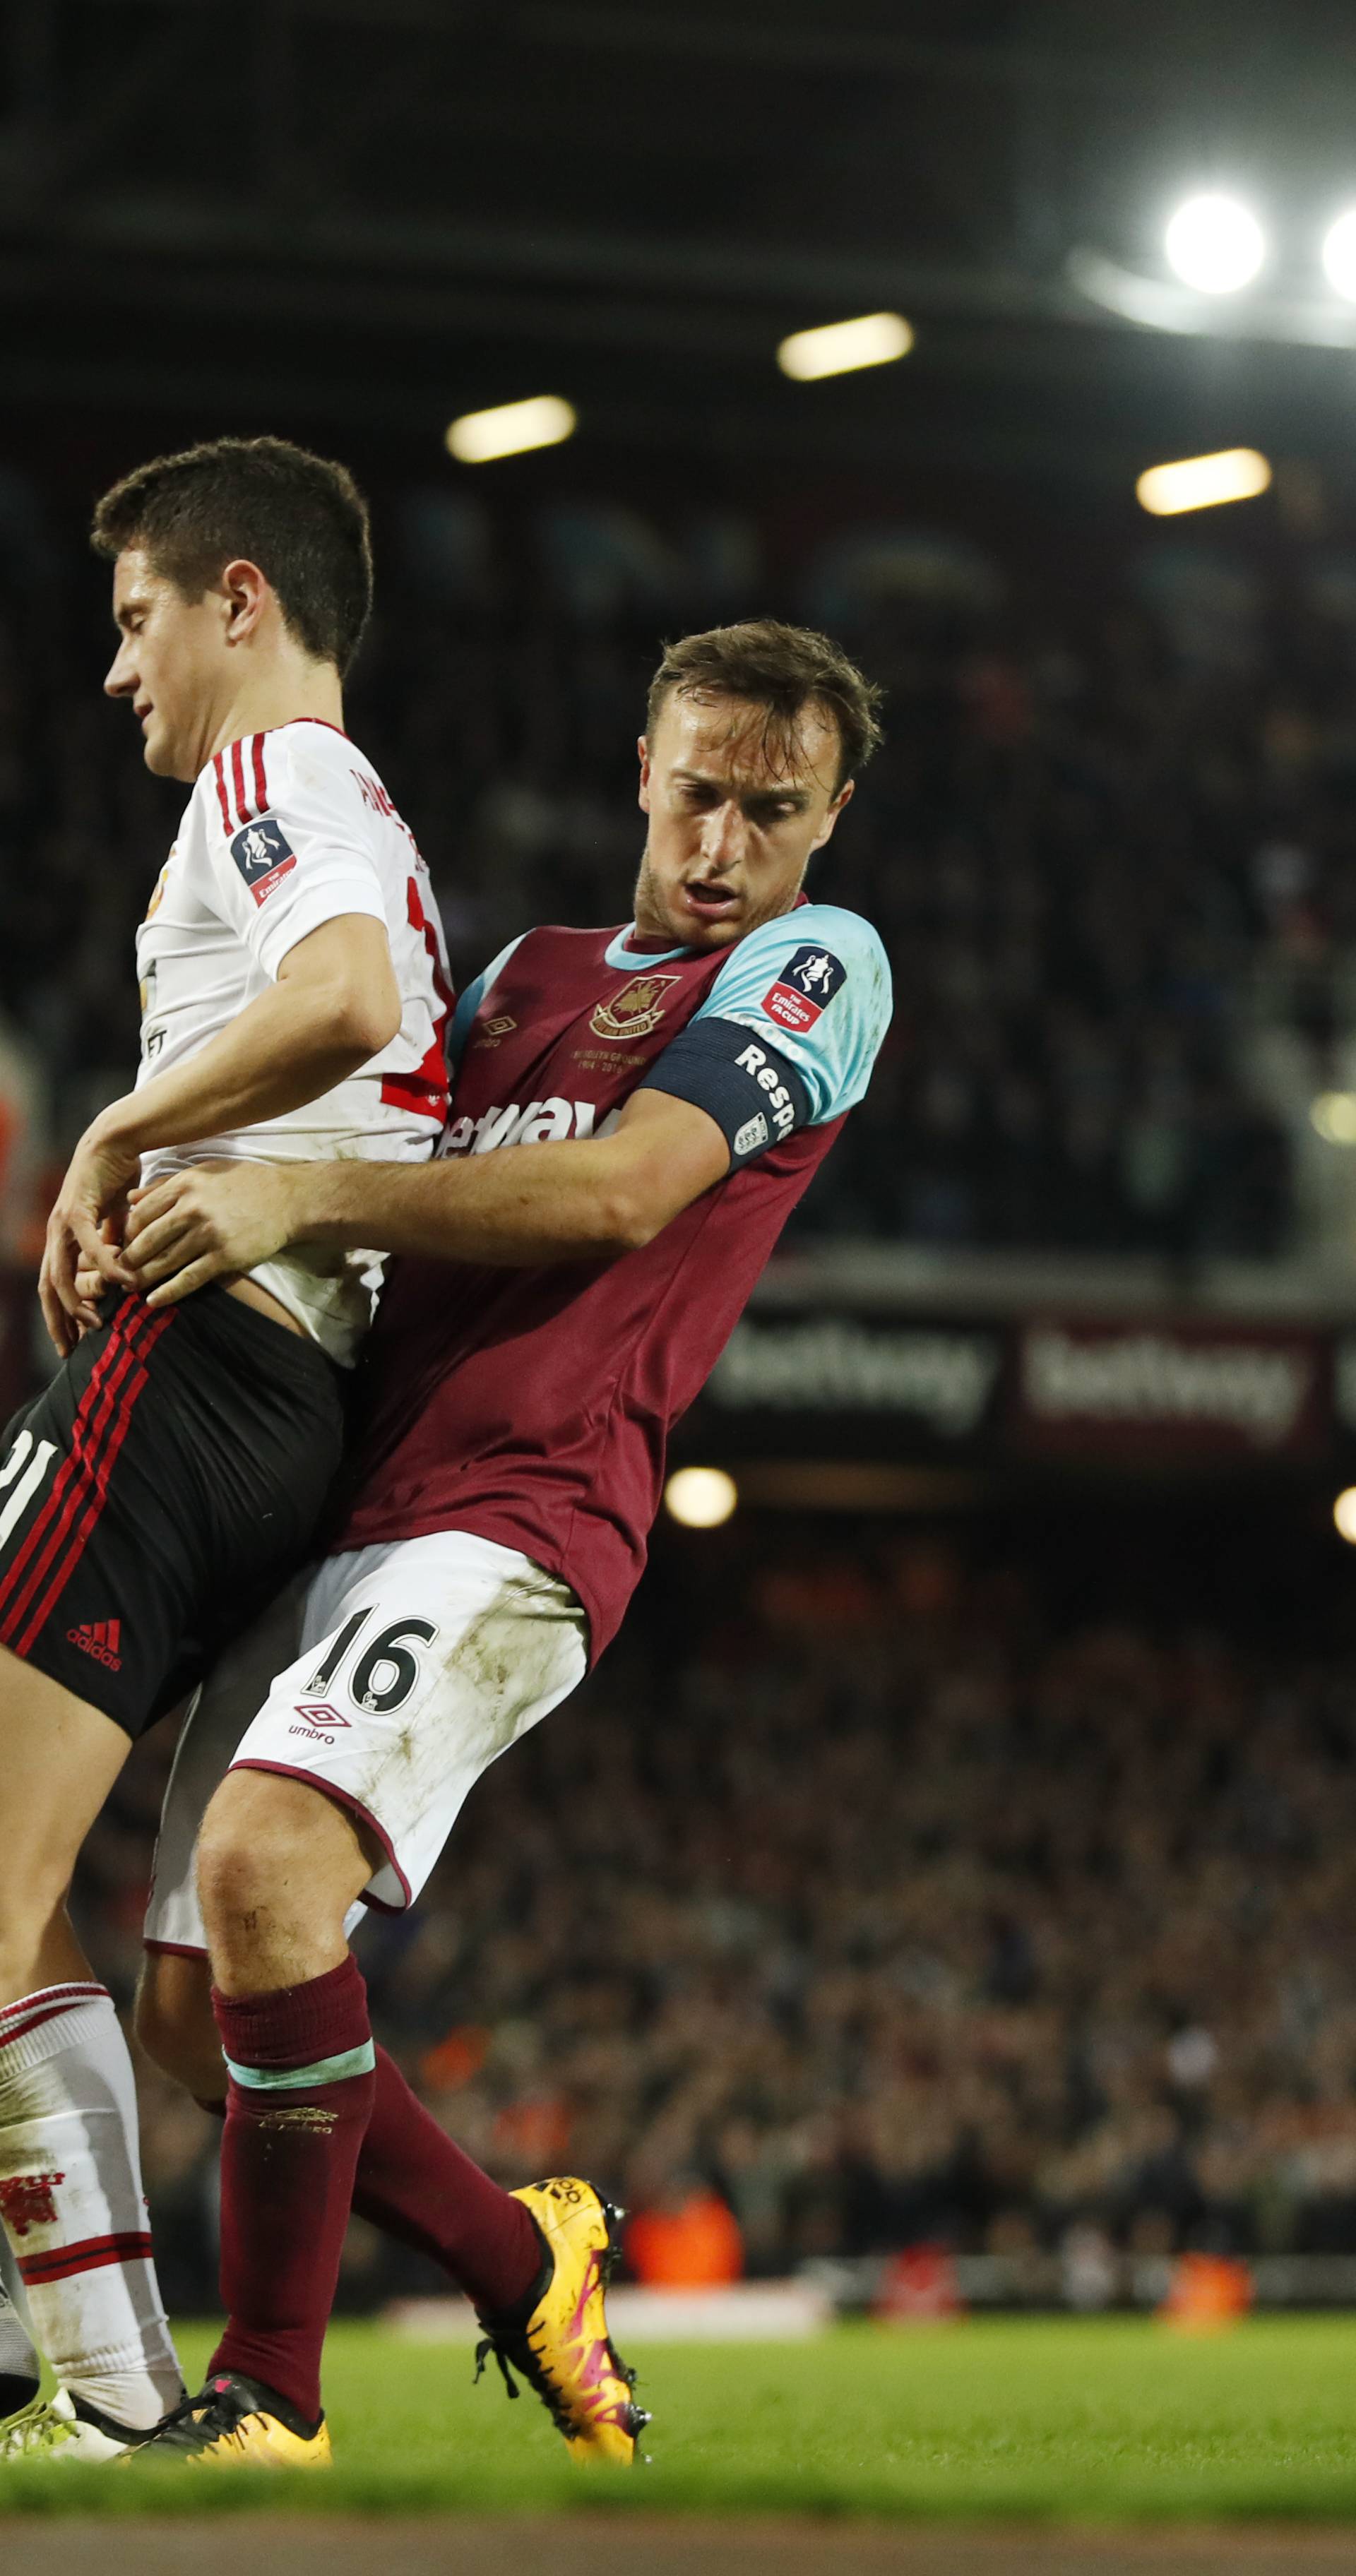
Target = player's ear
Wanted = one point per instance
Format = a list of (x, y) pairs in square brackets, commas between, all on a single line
[(844, 797), (644, 797), (245, 590)]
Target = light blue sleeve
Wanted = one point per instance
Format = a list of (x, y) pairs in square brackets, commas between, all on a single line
[(828, 1016), (468, 1003)]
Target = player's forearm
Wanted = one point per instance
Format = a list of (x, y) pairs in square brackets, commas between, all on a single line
[(289, 1046), (572, 1201)]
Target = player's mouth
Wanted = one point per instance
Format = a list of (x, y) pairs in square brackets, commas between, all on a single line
[(711, 902), (142, 712)]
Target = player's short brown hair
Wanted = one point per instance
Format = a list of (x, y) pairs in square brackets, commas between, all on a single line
[(300, 518), (784, 669)]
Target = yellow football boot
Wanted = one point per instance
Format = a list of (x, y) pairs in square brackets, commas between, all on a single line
[(563, 2349), (237, 2423)]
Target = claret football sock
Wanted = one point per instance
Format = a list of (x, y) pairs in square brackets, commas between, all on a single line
[(299, 2097), (72, 2203), (417, 2185)]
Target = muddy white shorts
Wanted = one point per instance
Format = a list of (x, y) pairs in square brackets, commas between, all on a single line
[(391, 1677)]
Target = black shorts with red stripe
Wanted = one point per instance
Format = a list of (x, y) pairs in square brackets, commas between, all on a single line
[(156, 1495)]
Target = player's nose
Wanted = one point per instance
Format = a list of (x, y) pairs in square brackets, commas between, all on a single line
[(722, 835)]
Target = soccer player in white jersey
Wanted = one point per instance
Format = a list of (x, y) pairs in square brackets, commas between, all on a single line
[(293, 994)]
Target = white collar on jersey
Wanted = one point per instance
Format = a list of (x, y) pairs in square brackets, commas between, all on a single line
[(618, 954)]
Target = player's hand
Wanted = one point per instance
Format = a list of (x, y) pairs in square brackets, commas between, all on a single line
[(85, 1225), (217, 1220), (90, 1285), (67, 1326)]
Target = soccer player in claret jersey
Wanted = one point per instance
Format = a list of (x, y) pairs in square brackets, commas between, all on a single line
[(688, 1073), (172, 1473)]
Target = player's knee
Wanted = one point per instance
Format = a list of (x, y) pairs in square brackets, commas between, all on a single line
[(175, 2024), (273, 1847)]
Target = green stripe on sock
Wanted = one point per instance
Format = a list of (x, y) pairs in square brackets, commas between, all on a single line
[(288, 2079)]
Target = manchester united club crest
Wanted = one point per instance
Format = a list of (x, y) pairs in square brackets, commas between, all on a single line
[(635, 1010), (26, 2200)]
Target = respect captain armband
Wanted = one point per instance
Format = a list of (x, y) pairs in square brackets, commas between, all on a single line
[(754, 1094)]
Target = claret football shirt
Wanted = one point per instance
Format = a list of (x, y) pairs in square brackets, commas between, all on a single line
[(533, 1406)]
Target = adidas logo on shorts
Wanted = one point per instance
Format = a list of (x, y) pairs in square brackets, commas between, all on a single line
[(102, 1640)]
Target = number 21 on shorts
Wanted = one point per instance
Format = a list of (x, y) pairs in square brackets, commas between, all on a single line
[(20, 1477)]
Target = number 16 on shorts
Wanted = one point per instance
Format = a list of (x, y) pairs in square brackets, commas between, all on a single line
[(381, 1680), (422, 1661)]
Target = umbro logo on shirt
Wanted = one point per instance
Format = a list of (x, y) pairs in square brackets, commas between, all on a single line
[(102, 1640)]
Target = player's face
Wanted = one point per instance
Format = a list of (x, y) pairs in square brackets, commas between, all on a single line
[(169, 664), (735, 816)]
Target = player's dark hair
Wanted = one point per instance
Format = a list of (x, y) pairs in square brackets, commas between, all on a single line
[(300, 518), (784, 669)]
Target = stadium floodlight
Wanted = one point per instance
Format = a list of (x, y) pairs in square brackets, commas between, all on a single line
[(510, 429), (1344, 1515), (1339, 254), (1200, 482), (1215, 244), (701, 1497), (837, 347), (1333, 1114)]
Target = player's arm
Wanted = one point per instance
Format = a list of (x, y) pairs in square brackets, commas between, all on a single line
[(733, 1084), (335, 1004), (585, 1199), (298, 888)]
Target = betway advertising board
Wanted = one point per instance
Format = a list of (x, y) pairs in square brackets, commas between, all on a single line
[(1053, 1386), (1151, 1388)]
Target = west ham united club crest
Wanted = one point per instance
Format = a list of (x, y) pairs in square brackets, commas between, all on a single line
[(635, 1010)]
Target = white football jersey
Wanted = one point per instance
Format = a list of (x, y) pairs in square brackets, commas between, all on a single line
[(283, 831)]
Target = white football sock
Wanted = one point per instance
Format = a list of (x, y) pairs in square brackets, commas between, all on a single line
[(72, 2204)]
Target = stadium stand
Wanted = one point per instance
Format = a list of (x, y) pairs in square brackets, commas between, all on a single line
[(897, 1909), (1105, 808)]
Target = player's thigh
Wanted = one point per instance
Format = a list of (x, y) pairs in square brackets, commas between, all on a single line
[(219, 1715), (59, 1757), (422, 1662), (168, 1475)]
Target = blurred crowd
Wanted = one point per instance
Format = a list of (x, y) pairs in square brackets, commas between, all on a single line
[(1112, 796), (876, 1906)]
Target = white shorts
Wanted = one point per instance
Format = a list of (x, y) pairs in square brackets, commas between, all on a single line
[(392, 1677)]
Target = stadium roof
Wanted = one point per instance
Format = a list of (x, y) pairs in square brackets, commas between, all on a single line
[(380, 212)]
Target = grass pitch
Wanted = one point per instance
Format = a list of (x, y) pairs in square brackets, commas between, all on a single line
[(1115, 2420)]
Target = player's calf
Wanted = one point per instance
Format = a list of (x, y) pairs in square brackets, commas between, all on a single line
[(278, 1867), (71, 2201), (175, 2024)]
